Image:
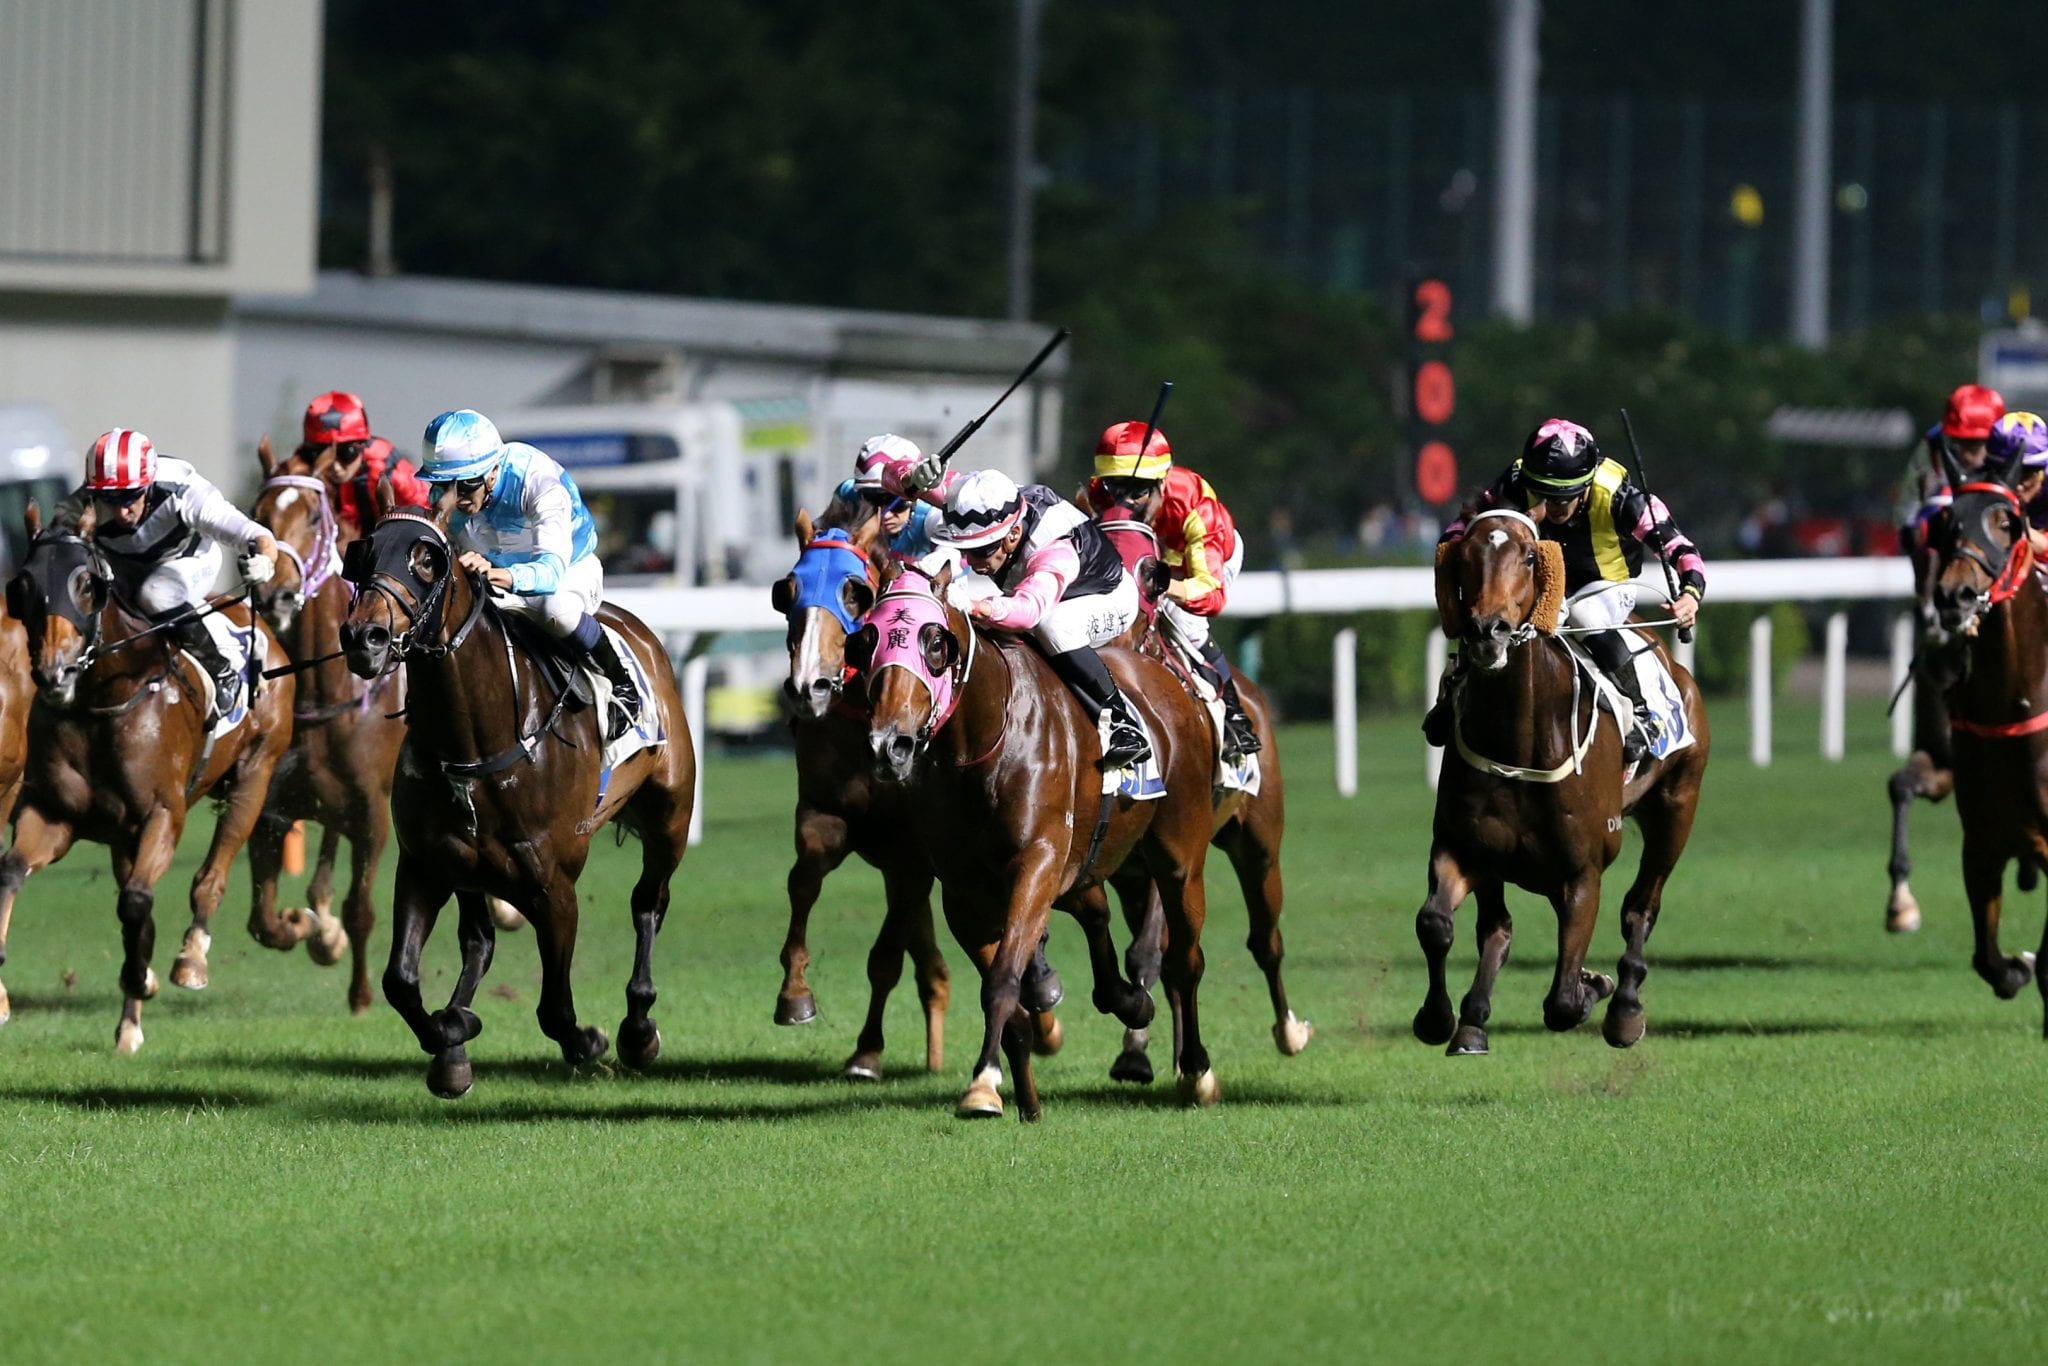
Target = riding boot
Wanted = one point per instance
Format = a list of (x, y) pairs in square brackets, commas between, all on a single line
[(1240, 736), (1610, 651), (1083, 671), (192, 636), (625, 714), (1437, 721)]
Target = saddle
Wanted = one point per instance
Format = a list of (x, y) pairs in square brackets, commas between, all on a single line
[(559, 664)]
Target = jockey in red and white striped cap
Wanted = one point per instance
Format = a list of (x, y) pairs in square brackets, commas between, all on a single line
[(161, 525)]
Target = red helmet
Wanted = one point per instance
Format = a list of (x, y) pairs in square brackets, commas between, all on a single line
[(334, 418), (121, 459), (1972, 411)]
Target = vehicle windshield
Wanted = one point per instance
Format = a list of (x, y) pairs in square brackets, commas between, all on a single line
[(636, 529)]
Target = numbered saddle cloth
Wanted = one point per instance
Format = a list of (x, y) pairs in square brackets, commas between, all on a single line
[(1142, 781), (1660, 691), (235, 643)]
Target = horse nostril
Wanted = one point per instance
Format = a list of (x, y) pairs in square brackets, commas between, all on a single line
[(901, 748), (1498, 630)]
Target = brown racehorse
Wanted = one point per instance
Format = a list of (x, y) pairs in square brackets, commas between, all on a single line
[(1928, 771), (1989, 599), (500, 786), (345, 737), (1520, 800), (17, 695), (1000, 764), (1248, 828), (841, 809), (118, 750)]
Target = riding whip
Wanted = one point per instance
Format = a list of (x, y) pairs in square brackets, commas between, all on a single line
[(1152, 423), (945, 452), (1643, 478)]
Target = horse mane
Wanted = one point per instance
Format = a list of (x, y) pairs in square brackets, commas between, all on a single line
[(848, 513)]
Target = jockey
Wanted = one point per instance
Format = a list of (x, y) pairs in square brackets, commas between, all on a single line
[(1056, 576), (1964, 430), (1199, 541), (161, 524), (2018, 448), (522, 525), (1602, 521), (906, 522), (336, 420)]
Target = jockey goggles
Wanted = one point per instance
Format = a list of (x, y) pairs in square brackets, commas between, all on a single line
[(883, 500), (118, 498)]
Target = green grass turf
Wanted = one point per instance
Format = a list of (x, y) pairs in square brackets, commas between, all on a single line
[(1828, 1147)]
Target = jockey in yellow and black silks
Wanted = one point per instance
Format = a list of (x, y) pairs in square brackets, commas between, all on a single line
[(1595, 513)]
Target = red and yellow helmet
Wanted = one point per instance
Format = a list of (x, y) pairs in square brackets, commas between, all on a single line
[(1117, 455)]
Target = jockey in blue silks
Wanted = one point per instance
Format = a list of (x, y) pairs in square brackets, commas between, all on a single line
[(905, 521), (520, 523)]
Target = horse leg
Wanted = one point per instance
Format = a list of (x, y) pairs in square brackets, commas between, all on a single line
[(1573, 990), (1112, 995), (372, 826), (1984, 884), (1030, 903), (1186, 908), (554, 915), (1448, 884), (450, 1076), (665, 833), (1666, 824), (237, 819), (885, 968), (983, 1098), (1496, 932), (1920, 777), (416, 900), (266, 862), (327, 935), (1256, 861), (934, 983), (821, 846), (38, 843), (137, 869), (1147, 922)]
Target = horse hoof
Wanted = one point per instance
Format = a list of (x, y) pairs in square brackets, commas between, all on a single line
[(127, 1038), (863, 1067), (1132, 1006), (328, 942), (639, 1043), (587, 1046), (2029, 875), (795, 1010), (1047, 1035), (449, 1075), (1623, 1029), (984, 1096), (1040, 993), (1902, 912), (459, 1024), (189, 973), (1468, 1042), (1599, 983), (1292, 1034), (150, 986), (503, 915), (6, 1010), (1200, 1091), (1435, 1024), (1132, 1065)]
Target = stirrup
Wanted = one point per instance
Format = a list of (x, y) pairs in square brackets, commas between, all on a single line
[(1126, 746), (621, 719), (1240, 737)]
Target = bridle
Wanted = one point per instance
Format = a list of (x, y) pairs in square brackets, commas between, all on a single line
[(317, 565), (386, 570), (65, 603), (1526, 632), (2008, 574), (956, 673)]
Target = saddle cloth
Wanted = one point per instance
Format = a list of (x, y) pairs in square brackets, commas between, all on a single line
[(235, 643), (1142, 781), (645, 734), (1660, 690), (1232, 775)]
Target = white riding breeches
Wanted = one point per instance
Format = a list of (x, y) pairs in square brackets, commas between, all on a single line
[(1191, 629), (1600, 604), (580, 591), (1096, 619), (177, 583)]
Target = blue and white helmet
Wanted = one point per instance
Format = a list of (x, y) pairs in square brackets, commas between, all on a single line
[(980, 511), (460, 444)]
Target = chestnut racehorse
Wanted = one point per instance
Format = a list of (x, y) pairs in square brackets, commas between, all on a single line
[(501, 783), (1248, 827), (1001, 768), (841, 809), (345, 736), (118, 750), (1534, 793), (17, 695), (1990, 600)]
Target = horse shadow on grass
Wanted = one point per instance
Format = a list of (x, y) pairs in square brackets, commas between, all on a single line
[(140, 1098), (1680, 1030), (65, 1003), (359, 1067)]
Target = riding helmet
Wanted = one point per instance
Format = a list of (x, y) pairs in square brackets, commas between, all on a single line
[(121, 459), (1972, 409), (336, 417), (1117, 455), (980, 511), (878, 453), (1559, 458), (2018, 439), (460, 444)]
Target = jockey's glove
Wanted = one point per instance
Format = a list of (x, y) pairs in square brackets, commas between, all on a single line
[(923, 476), (257, 568)]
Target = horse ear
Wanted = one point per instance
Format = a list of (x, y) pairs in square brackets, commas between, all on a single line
[(805, 528), (32, 518), (943, 579), (1549, 586), (1450, 608), (1950, 467), (266, 457), (88, 520), (444, 507)]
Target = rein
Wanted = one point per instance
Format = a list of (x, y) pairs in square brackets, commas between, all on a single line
[(326, 533)]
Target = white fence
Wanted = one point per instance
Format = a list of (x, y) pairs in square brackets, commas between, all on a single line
[(746, 608)]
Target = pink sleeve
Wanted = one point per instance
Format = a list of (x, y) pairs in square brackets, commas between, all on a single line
[(1046, 576), (892, 480)]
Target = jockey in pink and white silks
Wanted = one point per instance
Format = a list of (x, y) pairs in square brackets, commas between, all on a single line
[(1056, 576), (520, 522), (161, 525)]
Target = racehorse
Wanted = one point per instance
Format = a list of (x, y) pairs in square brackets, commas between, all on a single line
[(1990, 600), (1000, 767), (501, 782), (842, 810), (17, 695), (1534, 793), (118, 749), (1248, 826), (345, 735)]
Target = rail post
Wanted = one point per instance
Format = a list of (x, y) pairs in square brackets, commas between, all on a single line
[(1344, 708), (1834, 686), (1902, 673), (1760, 692), (695, 674)]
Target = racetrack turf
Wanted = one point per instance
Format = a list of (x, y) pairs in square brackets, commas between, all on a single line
[(1828, 1147)]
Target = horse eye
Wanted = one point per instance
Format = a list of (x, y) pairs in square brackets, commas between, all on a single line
[(1530, 558)]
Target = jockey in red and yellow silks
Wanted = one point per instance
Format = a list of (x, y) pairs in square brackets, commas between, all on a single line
[(1198, 540)]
